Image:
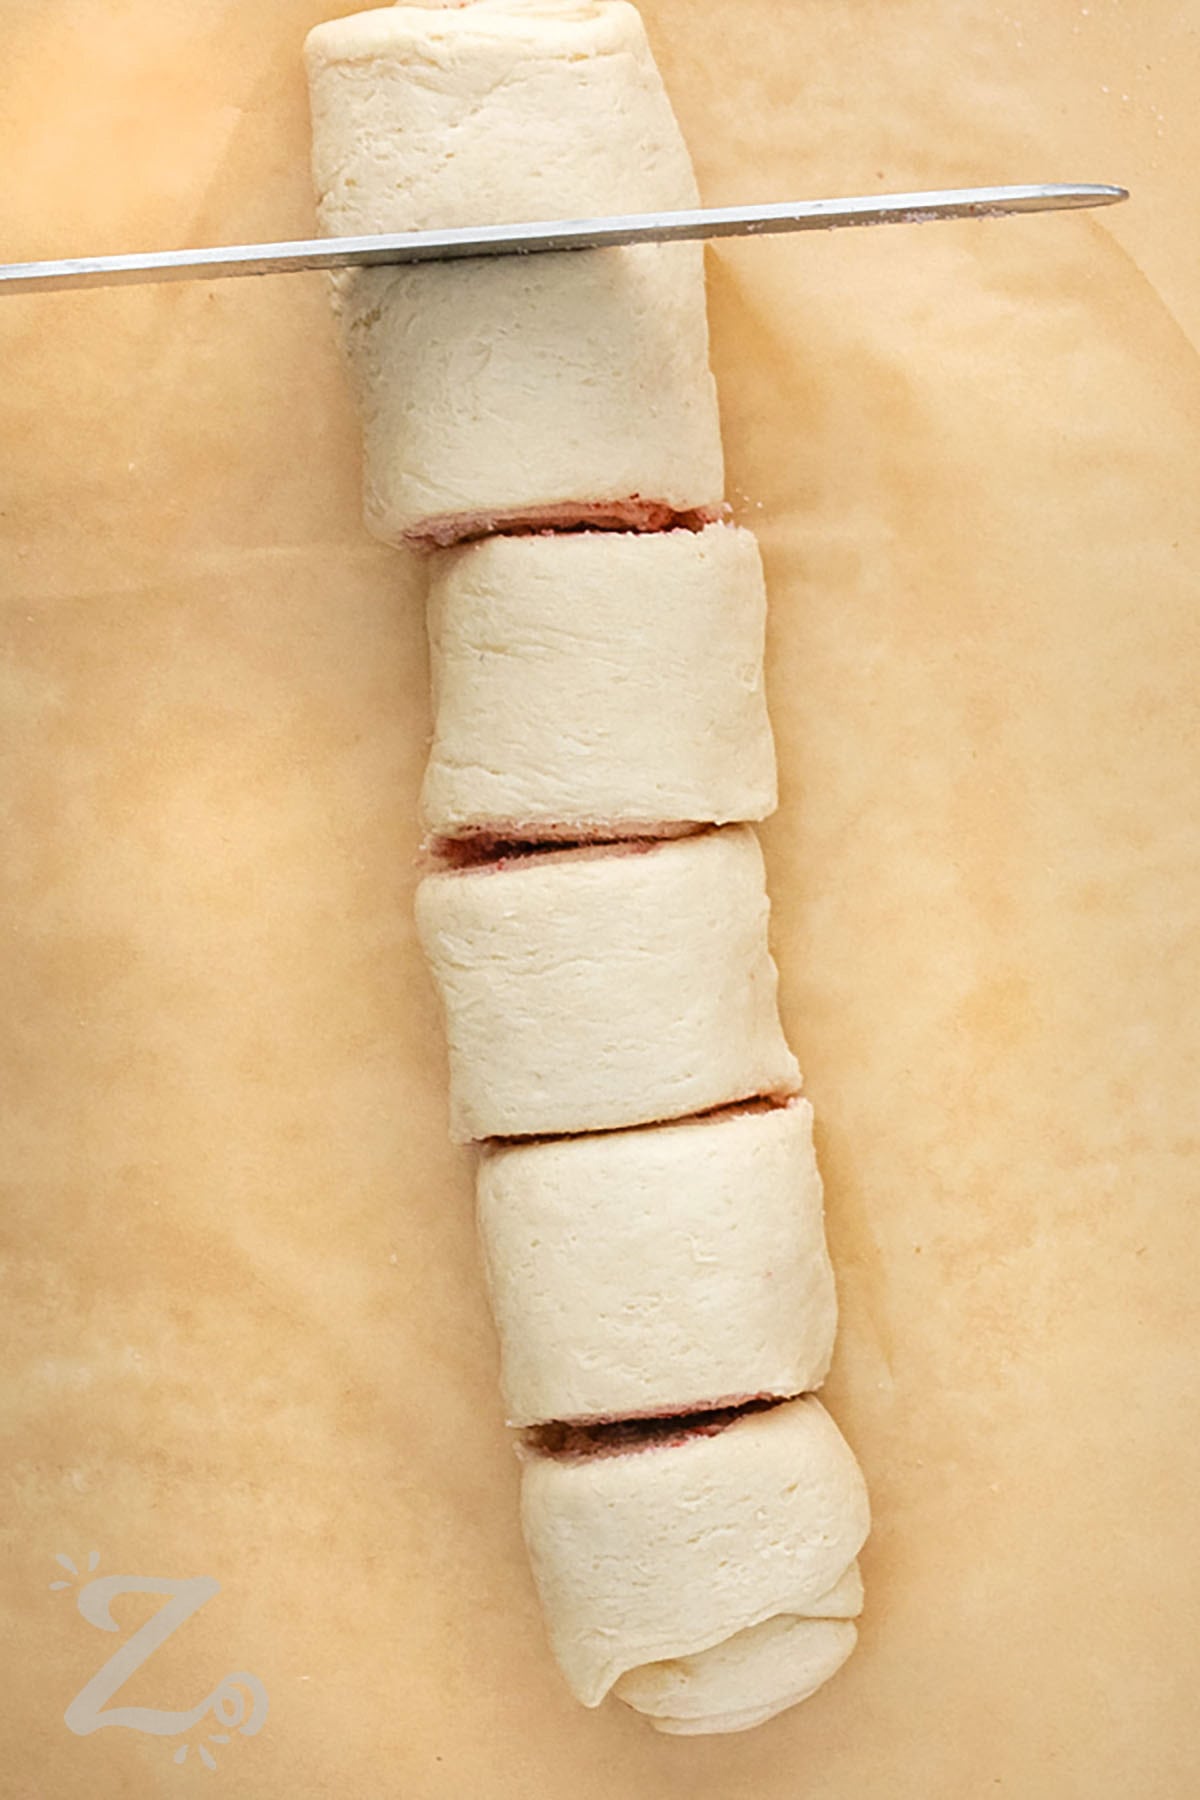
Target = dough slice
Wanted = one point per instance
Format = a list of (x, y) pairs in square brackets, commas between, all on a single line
[(652, 1554), (662, 1270), (590, 989), (597, 684), (541, 390)]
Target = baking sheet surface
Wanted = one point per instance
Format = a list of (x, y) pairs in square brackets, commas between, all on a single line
[(245, 1336)]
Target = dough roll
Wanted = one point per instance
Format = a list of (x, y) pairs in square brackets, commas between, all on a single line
[(662, 1270), (537, 390), (597, 684), (589, 989), (682, 1572)]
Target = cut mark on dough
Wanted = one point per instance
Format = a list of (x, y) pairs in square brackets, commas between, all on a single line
[(641, 1431), (631, 515), (712, 1115), (491, 846)]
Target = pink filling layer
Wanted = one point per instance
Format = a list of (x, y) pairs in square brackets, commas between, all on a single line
[(652, 1431), (634, 514), (503, 839), (471, 864)]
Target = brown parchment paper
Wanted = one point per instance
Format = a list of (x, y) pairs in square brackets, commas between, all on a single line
[(244, 1332)]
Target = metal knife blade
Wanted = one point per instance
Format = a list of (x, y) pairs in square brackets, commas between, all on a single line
[(555, 235)]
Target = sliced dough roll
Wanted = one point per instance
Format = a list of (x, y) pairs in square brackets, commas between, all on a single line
[(597, 684), (536, 390), (588, 989), (662, 1270), (668, 1553)]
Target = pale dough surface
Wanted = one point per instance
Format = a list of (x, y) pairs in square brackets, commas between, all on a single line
[(585, 990), (598, 678), (748, 1678), (658, 1271), (743, 1681), (971, 455)]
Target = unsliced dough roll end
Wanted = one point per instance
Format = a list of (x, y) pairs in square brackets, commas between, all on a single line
[(542, 390)]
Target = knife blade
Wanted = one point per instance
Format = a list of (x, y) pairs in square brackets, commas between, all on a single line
[(220, 261)]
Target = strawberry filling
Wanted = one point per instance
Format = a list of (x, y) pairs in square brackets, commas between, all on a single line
[(634, 514), (655, 1431)]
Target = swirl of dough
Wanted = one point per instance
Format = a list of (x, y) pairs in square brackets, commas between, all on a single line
[(752, 1675), (686, 1570)]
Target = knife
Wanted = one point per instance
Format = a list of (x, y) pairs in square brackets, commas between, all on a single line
[(223, 260)]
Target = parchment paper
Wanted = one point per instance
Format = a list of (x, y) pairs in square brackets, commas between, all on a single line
[(244, 1331)]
